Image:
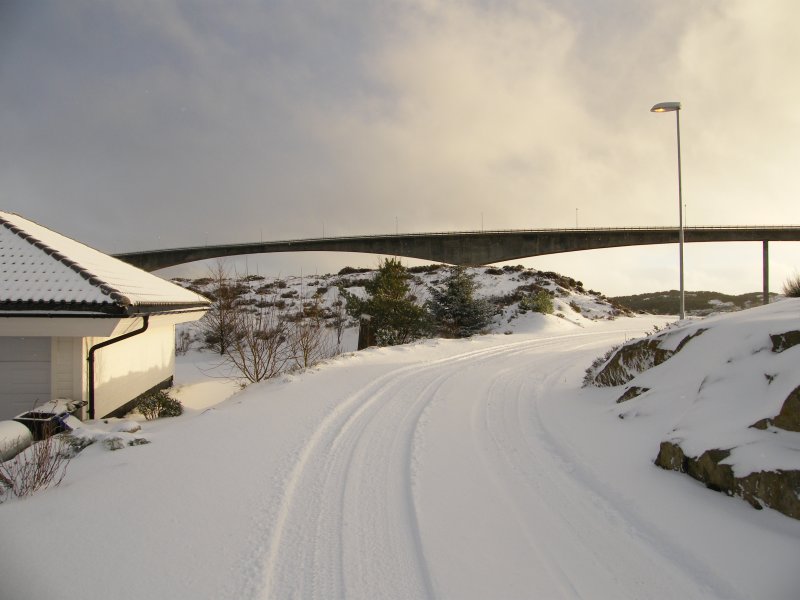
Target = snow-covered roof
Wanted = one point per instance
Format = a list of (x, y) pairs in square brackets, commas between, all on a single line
[(44, 270)]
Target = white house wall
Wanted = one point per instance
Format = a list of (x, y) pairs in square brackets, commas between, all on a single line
[(59, 369), (132, 366)]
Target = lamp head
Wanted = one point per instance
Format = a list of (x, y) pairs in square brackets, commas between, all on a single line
[(666, 107)]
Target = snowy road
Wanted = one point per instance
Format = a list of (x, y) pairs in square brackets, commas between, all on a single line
[(453, 469), (445, 480)]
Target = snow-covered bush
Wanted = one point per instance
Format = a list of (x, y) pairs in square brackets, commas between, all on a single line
[(159, 404)]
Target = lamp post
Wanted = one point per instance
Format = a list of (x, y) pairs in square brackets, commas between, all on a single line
[(676, 108)]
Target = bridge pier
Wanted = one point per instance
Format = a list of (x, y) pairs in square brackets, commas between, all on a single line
[(765, 266)]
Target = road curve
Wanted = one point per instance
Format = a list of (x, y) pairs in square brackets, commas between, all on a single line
[(443, 480)]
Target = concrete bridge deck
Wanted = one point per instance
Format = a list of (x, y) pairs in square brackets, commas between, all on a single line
[(472, 247)]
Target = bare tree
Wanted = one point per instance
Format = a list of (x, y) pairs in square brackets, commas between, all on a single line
[(259, 347), (218, 326), (339, 320), (308, 337)]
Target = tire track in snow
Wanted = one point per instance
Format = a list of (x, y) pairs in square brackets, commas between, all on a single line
[(321, 548), (327, 468), (636, 567)]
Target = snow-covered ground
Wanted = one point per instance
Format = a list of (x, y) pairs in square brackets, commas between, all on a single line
[(471, 468)]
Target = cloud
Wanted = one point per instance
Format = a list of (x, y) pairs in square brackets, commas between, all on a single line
[(156, 123)]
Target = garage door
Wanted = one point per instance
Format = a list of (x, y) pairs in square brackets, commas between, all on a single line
[(24, 374)]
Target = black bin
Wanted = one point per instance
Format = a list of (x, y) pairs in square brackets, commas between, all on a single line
[(43, 424)]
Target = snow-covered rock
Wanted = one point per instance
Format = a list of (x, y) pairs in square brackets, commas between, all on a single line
[(731, 395)]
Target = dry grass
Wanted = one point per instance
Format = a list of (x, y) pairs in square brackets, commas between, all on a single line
[(791, 287)]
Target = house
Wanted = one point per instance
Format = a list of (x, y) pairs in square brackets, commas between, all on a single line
[(78, 324)]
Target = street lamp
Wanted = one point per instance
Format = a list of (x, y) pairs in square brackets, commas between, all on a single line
[(676, 108)]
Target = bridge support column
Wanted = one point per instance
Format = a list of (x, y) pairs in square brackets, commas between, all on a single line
[(765, 277)]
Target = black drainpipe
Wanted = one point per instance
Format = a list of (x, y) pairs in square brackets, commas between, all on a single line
[(92, 350)]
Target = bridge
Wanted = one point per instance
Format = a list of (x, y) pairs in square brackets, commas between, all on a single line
[(471, 248)]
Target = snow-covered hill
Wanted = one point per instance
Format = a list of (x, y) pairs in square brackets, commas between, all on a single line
[(698, 303), (505, 287)]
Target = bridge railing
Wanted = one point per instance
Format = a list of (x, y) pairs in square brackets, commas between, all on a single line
[(481, 232)]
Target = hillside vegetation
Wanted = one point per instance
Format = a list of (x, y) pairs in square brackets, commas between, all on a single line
[(514, 293), (697, 303)]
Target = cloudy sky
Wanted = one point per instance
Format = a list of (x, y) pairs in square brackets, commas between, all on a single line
[(156, 123)]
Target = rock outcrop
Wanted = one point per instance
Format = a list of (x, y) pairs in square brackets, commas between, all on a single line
[(784, 341), (777, 489), (789, 416), (774, 485), (636, 357), (632, 392)]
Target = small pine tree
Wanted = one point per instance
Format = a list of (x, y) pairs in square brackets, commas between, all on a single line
[(395, 316), (455, 310), (540, 302)]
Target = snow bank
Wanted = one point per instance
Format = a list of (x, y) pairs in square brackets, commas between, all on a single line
[(711, 390)]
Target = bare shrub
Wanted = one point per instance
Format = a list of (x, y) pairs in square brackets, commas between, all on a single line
[(260, 348), (183, 340), (425, 268), (351, 270), (218, 324), (39, 466), (339, 318), (308, 339)]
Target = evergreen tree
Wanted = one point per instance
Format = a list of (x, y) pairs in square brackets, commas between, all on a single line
[(394, 315), (455, 309), (541, 302)]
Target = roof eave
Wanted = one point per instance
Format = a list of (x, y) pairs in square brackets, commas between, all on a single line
[(23, 308)]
